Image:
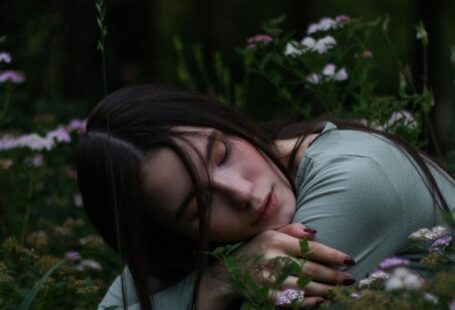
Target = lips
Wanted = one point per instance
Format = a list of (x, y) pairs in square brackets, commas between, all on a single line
[(266, 208)]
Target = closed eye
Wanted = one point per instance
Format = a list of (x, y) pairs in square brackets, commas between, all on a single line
[(227, 152)]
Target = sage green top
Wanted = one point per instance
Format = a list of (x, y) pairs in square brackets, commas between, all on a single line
[(360, 192)]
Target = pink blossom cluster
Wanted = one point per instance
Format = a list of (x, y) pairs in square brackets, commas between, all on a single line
[(36, 142), (11, 76), (289, 296), (5, 57), (327, 23), (393, 262), (329, 73), (258, 39)]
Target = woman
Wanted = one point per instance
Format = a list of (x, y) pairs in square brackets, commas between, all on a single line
[(165, 176)]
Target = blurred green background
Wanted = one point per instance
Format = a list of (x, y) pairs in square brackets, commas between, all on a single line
[(54, 43)]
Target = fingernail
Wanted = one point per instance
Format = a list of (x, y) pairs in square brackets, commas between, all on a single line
[(310, 230), (349, 261), (348, 280)]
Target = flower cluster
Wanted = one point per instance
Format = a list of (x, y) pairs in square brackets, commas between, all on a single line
[(329, 73), (36, 142), (9, 75), (258, 39), (426, 234), (327, 23), (289, 296), (309, 44), (403, 278)]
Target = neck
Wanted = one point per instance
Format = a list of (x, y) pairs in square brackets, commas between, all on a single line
[(285, 148)]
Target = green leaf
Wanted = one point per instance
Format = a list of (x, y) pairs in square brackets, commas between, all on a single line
[(303, 281), (31, 296)]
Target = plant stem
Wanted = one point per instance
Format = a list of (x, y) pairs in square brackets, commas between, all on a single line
[(27, 211)]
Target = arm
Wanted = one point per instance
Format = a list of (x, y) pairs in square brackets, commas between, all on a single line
[(355, 208)]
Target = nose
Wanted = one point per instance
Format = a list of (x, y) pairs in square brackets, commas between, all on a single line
[(236, 187)]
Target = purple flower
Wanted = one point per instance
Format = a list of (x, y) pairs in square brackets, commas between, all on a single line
[(313, 78), (59, 134), (260, 38), (289, 295), (11, 76), (72, 255), (342, 19), (76, 124), (452, 305), (393, 262), (5, 57), (34, 142), (440, 244)]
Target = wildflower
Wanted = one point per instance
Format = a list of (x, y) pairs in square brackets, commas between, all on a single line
[(63, 231), (404, 117), (291, 49), (342, 19), (76, 125), (73, 255), (366, 54), (341, 75), (426, 234), (374, 277), (5, 57), (308, 42), (92, 241), (421, 33), (402, 278), (452, 305), (324, 24), (59, 134), (289, 296), (440, 244), (393, 262), (431, 298), (88, 264), (324, 44), (11, 76), (77, 199), (313, 78), (258, 39), (34, 142), (329, 70), (38, 239)]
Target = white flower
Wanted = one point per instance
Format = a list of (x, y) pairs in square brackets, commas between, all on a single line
[(86, 264), (393, 284), (404, 117), (324, 44), (291, 50), (375, 276), (313, 78), (426, 234), (329, 70), (431, 298), (324, 24), (308, 42), (341, 75)]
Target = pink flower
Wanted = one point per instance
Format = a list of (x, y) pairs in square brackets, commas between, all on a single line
[(77, 125), (393, 262), (289, 295), (313, 78), (72, 255), (452, 305), (440, 244), (260, 38), (11, 76), (36, 160), (5, 57), (342, 19), (59, 134)]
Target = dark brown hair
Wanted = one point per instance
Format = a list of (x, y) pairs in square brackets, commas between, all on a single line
[(130, 124)]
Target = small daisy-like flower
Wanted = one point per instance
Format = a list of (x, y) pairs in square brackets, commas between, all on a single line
[(289, 296), (440, 244), (291, 49), (314, 78), (393, 262)]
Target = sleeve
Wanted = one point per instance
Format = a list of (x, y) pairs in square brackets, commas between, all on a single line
[(175, 297), (355, 208)]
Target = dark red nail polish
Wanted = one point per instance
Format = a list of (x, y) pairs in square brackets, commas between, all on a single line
[(349, 261), (310, 230), (348, 281)]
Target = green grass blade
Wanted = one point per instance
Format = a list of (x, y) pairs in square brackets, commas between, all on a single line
[(31, 296)]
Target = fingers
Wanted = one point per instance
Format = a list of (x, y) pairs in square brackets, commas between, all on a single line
[(318, 251), (324, 274), (298, 230), (311, 289), (328, 256)]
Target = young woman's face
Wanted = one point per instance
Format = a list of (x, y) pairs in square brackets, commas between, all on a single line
[(249, 193)]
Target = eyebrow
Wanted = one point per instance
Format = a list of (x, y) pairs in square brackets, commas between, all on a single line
[(207, 156)]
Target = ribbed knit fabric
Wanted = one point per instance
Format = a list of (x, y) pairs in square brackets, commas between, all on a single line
[(364, 196)]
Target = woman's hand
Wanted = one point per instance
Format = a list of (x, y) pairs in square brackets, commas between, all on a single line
[(285, 242)]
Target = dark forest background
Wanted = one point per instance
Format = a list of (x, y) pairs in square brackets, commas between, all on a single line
[(54, 42)]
